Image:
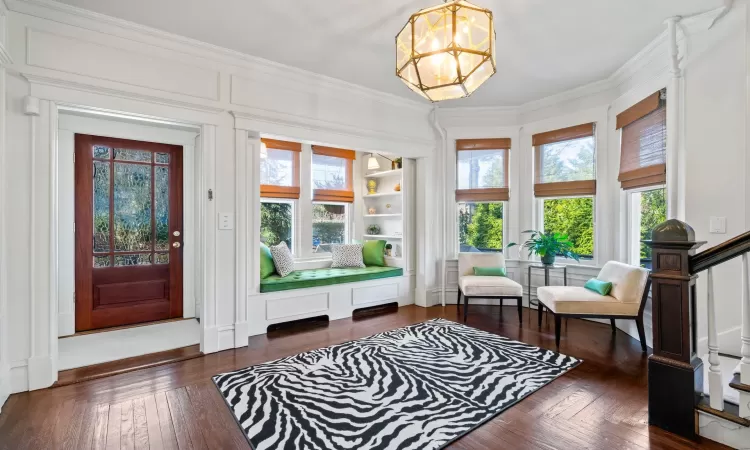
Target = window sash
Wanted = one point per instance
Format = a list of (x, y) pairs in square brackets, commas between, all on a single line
[(488, 194), (459, 205), (293, 230), (346, 223), (277, 191), (345, 195), (543, 226), (562, 188)]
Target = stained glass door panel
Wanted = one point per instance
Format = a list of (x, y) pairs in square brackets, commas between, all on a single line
[(129, 241)]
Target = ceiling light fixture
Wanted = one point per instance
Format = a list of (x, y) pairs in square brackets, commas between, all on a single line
[(447, 51)]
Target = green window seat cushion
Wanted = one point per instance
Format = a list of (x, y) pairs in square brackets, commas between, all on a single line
[(301, 279)]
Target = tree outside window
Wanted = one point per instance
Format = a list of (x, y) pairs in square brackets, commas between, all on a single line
[(480, 227), (276, 223), (653, 212), (329, 226)]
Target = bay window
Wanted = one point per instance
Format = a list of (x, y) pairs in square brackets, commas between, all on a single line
[(565, 184), (481, 193), (643, 171)]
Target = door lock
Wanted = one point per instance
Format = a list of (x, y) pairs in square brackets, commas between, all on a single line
[(176, 233), (176, 244)]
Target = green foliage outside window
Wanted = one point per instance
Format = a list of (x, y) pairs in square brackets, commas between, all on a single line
[(276, 223), (573, 217), (653, 212), (480, 226)]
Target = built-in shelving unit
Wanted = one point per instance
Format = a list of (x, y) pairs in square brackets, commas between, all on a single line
[(384, 207)]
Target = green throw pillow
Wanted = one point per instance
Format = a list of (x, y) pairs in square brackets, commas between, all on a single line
[(267, 268), (490, 272), (373, 253), (598, 286)]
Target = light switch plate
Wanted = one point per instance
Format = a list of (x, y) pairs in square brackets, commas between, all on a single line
[(226, 221), (718, 225)]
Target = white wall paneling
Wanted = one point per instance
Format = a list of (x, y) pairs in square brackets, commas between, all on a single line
[(5, 359)]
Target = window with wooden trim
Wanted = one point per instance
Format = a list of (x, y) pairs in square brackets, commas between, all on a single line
[(564, 162), (279, 169), (643, 152), (481, 193), (332, 177)]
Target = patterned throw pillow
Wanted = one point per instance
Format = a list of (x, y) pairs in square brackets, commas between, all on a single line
[(282, 259), (347, 256)]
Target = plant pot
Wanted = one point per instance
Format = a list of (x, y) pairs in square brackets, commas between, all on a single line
[(548, 259)]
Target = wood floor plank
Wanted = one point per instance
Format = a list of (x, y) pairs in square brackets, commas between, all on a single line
[(127, 431), (100, 427), (602, 404), (180, 427), (191, 420), (169, 439), (114, 425), (140, 425), (152, 420)]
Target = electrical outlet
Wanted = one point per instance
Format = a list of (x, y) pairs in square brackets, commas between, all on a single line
[(717, 225), (226, 221)]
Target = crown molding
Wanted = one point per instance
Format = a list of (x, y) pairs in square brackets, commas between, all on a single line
[(628, 71), (61, 12), (56, 82)]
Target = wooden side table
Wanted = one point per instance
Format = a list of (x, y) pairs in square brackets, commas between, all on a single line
[(546, 268)]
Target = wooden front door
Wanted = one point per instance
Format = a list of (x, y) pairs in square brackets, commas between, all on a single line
[(128, 197)]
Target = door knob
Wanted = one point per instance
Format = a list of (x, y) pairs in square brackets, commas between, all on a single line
[(176, 233), (176, 244)]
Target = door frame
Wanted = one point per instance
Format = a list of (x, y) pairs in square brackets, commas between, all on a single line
[(45, 231), (84, 122)]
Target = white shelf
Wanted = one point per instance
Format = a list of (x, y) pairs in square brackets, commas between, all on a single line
[(382, 236), (382, 215), (383, 194), (385, 173)]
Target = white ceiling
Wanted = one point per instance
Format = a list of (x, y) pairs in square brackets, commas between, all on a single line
[(544, 47)]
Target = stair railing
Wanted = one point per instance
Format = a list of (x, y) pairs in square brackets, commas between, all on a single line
[(675, 370)]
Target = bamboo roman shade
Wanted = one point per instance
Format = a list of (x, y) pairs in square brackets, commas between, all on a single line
[(482, 172), (332, 174), (564, 162), (643, 150), (279, 167)]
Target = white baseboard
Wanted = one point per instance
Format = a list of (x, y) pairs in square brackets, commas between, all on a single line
[(241, 334), (210, 340), (4, 386), (19, 377), (226, 337), (66, 324), (41, 371)]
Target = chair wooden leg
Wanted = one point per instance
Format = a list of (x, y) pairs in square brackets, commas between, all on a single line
[(502, 305), (540, 311), (520, 310), (558, 323), (614, 327), (641, 333), (458, 302), (466, 307)]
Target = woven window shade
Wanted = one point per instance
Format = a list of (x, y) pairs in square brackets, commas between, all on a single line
[(644, 150), (484, 151), (287, 191), (345, 195), (578, 180)]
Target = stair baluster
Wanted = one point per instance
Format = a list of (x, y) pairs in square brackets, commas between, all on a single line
[(745, 362), (715, 384)]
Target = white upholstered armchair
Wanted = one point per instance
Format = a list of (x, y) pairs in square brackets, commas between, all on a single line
[(626, 300), (473, 286)]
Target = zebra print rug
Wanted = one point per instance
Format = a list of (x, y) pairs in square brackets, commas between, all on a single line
[(417, 387)]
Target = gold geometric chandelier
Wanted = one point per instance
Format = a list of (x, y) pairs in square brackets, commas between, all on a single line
[(446, 51)]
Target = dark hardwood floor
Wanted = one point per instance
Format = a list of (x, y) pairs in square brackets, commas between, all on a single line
[(601, 404)]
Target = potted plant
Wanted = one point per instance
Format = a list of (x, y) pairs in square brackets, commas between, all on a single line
[(548, 246), (388, 248), (398, 162)]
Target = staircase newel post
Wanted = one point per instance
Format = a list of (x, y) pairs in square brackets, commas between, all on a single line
[(675, 372)]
